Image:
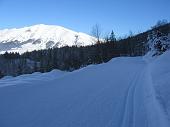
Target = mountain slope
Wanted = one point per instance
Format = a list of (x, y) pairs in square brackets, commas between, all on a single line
[(125, 92), (40, 37)]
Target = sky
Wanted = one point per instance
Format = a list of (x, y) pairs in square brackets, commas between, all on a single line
[(121, 16)]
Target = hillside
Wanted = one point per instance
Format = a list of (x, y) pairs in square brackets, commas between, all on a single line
[(75, 57)]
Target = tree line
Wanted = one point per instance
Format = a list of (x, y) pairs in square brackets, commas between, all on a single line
[(75, 57)]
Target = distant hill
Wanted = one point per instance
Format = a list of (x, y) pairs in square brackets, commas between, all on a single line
[(39, 37)]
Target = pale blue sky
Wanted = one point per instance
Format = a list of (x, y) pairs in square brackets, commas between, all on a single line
[(80, 15)]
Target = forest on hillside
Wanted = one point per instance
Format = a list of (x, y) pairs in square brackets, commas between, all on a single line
[(75, 57)]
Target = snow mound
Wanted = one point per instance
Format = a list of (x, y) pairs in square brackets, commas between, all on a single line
[(160, 71)]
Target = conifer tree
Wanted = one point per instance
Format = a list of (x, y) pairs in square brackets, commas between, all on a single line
[(112, 37)]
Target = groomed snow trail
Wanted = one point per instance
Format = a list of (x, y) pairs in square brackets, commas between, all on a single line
[(119, 93), (141, 102)]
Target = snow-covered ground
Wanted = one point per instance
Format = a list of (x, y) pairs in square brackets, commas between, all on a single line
[(125, 92)]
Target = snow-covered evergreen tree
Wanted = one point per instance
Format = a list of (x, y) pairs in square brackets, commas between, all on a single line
[(158, 42)]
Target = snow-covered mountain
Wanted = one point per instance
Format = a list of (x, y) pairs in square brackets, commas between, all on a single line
[(41, 37)]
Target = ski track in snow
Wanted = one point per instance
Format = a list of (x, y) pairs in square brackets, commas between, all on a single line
[(96, 96)]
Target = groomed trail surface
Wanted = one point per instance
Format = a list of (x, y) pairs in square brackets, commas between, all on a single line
[(125, 92)]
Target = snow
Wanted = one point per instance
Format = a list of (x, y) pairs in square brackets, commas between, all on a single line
[(24, 38), (125, 92)]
